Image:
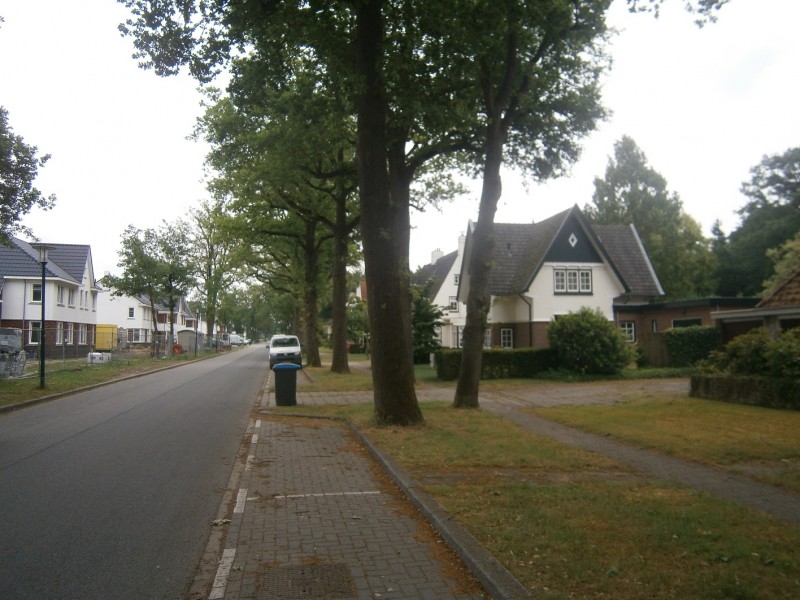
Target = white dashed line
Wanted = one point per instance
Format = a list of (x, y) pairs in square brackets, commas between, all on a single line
[(241, 498), (223, 571)]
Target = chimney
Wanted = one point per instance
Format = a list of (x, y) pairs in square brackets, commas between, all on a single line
[(436, 255)]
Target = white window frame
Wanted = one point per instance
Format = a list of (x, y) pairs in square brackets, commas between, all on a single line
[(628, 328), (585, 281), (506, 337), (36, 290), (82, 334), (572, 281), (71, 298), (34, 326), (60, 295), (131, 312), (455, 278), (560, 281), (68, 334), (59, 333), (453, 304)]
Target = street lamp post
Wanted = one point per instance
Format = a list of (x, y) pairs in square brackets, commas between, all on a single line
[(43, 250)]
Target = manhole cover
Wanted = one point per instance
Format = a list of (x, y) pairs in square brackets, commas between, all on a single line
[(323, 582)]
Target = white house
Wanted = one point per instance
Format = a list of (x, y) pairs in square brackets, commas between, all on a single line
[(134, 318), (70, 296), (560, 265), (441, 277)]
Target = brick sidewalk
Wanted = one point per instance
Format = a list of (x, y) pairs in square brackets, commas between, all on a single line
[(314, 518)]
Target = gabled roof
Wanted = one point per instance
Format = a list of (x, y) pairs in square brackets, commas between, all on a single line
[(65, 261), (434, 274), (520, 250), (787, 294)]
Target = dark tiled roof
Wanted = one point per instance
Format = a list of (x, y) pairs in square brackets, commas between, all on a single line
[(73, 258), (520, 250), (434, 274), (629, 259), (787, 295), (20, 259)]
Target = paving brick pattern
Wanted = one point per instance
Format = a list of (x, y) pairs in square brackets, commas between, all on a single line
[(318, 522)]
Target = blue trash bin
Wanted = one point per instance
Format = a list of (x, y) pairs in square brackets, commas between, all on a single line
[(286, 384)]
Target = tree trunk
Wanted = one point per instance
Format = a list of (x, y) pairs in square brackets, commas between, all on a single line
[(383, 219), (311, 296), (479, 269), (339, 362)]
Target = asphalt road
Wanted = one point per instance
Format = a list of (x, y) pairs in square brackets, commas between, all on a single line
[(109, 493)]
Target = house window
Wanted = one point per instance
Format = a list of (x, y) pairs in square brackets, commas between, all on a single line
[(71, 300), (34, 331), (506, 337), (458, 331), (94, 301), (628, 328), (455, 278), (36, 293), (131, 312), (585, 281), (560, 281), (59, 334), (60, 295), (572, 281), (487, 338), (68, 334), (82, 334), (453, 304)]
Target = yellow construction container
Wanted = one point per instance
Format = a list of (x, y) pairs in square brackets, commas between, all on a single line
[(106, 338)]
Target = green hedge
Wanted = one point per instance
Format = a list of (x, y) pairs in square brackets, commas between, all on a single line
[(689, 345), (523, 363), (770, 392)]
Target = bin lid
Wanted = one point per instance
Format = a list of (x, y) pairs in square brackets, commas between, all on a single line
[(282, 366)]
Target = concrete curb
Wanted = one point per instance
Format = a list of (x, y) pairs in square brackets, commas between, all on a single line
[(494, 577)]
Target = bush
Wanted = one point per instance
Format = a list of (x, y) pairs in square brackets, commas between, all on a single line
[(783, 355), (688, 346), (585, 342), (756, 353), (745, 354)]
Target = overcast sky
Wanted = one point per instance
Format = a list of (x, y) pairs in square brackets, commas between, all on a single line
[(704, 105)]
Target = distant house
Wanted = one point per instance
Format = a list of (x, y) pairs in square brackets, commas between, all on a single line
[(777, 312), (440, 278), (70, 296), (134, 318), (543, 270)]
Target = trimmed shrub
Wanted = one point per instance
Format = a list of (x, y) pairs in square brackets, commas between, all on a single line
[(585, 342), (687, 346)]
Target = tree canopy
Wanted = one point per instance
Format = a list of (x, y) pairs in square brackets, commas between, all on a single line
[(19, 166), (769, 219), (632, 192)]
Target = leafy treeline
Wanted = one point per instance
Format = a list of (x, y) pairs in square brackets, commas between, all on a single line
[(415, 88), (756, 257)]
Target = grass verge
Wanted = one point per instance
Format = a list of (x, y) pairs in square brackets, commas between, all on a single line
[(760, 442)]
